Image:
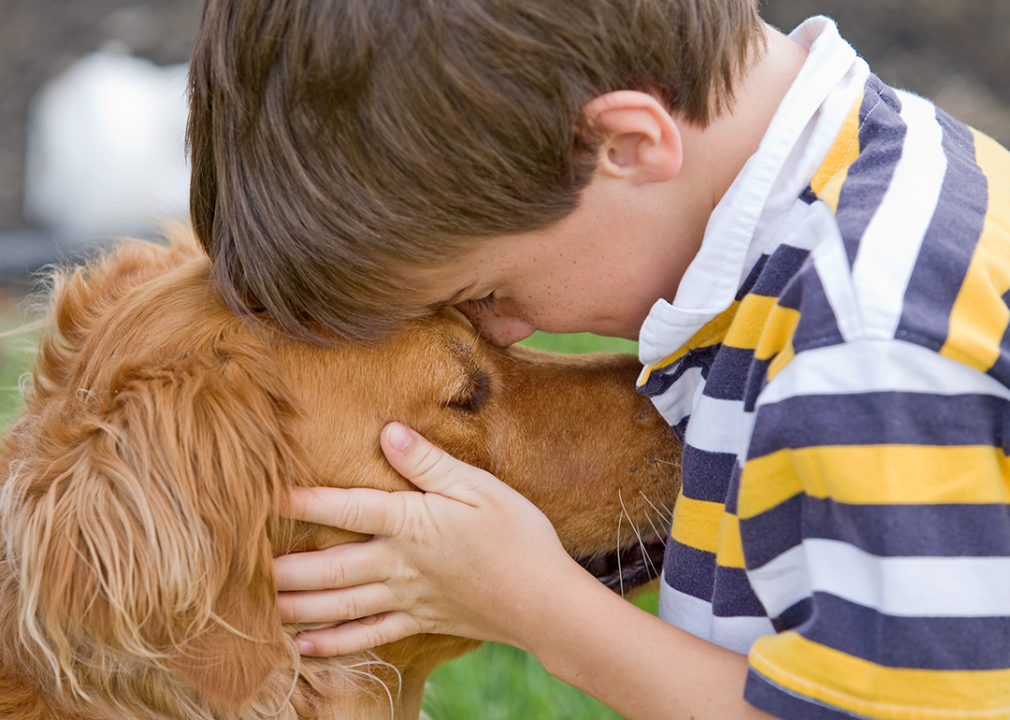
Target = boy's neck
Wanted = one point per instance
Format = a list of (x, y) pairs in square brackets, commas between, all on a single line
[(717, 154)]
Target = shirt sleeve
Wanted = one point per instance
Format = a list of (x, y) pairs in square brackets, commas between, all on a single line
[(876, 532)]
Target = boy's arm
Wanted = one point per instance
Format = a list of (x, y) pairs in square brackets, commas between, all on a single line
[(471, 557)]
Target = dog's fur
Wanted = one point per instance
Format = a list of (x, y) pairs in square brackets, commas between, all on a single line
[(140, 487)]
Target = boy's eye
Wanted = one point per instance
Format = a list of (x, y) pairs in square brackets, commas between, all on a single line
[(483, 303)]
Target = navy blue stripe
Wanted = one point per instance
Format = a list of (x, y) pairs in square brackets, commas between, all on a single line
[(662, 380), (733, 491), (780, 702), (783, 265), (756, 381), (925, 643), (733, 596), (773, 532), (949, 242), (752, 277), (884, 418), (817, 326), (808, 195), (728, 380), (942, 530), (796, 614), (657, 384), (881, 138), (689, 570), (706, 474)]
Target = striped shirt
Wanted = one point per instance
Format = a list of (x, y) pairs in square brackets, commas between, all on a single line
[(837, 364)]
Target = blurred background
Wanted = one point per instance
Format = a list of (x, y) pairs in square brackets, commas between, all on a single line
[(78, 189), (104, 155)]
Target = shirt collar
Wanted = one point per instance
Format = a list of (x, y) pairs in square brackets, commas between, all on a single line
[(713, 278)]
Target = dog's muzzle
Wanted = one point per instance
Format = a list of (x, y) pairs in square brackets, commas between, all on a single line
[(628, 568)]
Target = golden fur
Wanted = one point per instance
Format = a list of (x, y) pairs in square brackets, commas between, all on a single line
[(140, 488)]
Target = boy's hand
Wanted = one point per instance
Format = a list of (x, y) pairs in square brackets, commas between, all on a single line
[(469, 557)]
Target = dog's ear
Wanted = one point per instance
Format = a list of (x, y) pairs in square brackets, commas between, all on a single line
[(141, 534)]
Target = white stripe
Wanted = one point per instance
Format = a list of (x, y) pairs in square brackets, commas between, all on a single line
[(739, 633), (695, 616), (685, 611), (890, 245), (781, 583), (832, 264), (911, 586), (715, 426), (678, 401), (877, 366)]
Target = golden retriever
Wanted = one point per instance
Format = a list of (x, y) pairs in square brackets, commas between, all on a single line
[(140, 489)]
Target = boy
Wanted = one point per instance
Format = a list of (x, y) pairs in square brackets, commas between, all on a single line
[(816, 267)]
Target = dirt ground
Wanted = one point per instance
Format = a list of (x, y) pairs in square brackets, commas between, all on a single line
[(954, 51)]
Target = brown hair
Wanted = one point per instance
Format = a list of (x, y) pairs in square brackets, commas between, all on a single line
[(339, 145)]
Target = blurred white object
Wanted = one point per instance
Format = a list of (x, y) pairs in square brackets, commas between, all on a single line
[(105, 151)]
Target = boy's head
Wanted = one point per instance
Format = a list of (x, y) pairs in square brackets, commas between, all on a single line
[(342, 147)]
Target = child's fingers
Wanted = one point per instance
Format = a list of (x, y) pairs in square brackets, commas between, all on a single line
[(363, 634), (336, 567), (332, 606), (425, 465), (363, 510)]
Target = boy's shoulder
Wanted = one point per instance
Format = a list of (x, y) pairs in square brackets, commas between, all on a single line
[(921, 204)]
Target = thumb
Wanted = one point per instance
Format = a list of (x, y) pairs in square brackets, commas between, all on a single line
[(428, 467)]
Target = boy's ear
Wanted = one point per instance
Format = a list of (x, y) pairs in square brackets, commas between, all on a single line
[(639, 138)]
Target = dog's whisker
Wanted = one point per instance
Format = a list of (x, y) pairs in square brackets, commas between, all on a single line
[(662, 539), (634, 527), (620, 572), (658, 512)]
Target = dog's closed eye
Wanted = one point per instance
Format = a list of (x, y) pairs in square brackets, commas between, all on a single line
[(474, 394)]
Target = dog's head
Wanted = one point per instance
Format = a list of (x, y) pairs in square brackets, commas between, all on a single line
[(140, 487)]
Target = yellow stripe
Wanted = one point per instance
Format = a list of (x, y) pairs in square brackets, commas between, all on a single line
[(696, 523), (745, 332), (730, 553), (711, 333), (875, 475), (778, 332), (829, 178), (864, 688), (767, 482), (781, 360), (706, 526), (980, 316)]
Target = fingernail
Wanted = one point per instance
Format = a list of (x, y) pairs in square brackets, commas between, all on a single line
[(305, 647), (399, 436), (370, 620)]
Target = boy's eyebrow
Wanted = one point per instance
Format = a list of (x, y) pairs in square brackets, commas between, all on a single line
[(452, 299)]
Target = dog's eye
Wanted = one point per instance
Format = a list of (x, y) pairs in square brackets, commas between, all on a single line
[(476, 392)]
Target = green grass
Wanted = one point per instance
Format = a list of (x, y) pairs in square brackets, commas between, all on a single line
[(498, 682), (16, 354), (492, 683), (580, 343)]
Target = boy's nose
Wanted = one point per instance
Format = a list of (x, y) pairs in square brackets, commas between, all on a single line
[(501, 330)]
